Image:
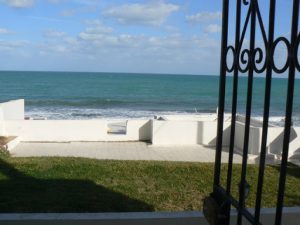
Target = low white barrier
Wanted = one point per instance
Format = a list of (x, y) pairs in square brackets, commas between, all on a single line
[(254, 138), (74, 130), (12, 110), (274, 139), (175, 132), (208, 133), (172, 130)]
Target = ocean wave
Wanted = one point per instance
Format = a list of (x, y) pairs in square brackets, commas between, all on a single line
[(76, 103), (123, 113), (107, 102), (90, 113)]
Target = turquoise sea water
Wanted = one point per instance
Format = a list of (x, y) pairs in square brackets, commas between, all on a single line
[(68, 95)]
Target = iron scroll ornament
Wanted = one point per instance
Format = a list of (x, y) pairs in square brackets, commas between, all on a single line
[(244, 58), (259, 57)]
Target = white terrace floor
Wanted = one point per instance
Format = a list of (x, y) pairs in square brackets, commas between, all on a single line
[(120, 151)]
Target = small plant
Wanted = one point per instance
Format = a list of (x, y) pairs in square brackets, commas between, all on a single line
[(3, 145), (3, 150)]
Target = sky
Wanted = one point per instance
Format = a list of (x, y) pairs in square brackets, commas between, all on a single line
[(140, 36)]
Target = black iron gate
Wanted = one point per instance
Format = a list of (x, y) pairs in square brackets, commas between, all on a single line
[(252, 60)]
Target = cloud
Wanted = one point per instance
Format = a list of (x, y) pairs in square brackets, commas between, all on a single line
[(18, 3), (49, 19), (80, 10), (4, 31), (51, 33), (95, 22), (56, 1), (153, 14), (212, 28), (80, 2), (96, 32), (99, 47), (115, 52), (203, 17), (68, 12), (13, 47)]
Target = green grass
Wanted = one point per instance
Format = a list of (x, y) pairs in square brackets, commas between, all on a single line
[(85, 185)]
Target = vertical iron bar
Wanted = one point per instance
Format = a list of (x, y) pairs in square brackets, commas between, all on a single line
[(234, 95), (234, 101), (288, 114), (242, 186), (266, 111), (221, 93)]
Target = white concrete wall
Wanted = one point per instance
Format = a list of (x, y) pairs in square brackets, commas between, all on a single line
[(190, 117), (58, 130), (174, 132), (2, 128), (208, 133), (75, 130), (274, 140), (254, 138), (12, 110), (137, 130), (141, 129)]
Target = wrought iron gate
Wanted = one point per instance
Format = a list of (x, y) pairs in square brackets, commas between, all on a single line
[(252, 60)]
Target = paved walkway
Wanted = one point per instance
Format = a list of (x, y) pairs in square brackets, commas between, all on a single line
[(120, 151)]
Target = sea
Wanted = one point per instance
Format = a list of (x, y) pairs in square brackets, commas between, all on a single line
[(85, 95)]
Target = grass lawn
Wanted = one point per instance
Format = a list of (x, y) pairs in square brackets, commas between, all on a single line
[(85, 185)]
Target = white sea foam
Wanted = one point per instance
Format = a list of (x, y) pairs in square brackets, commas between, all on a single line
[(60, 113), (279, 120), (80, 113)]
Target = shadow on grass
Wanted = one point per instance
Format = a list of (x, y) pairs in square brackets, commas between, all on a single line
[(292, 195), (292, 170), (22, 193)]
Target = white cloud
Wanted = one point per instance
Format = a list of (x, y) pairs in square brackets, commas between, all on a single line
[(13, 47), (49, 19), (80, 2), (100, 48), (54, 1), (4, 31), (68, 12), (212, 28), (204, 17), (154, 13), (96, 32), (83, 9), (93, 22), (50, 33), (18, 3), (172, 29), (116, 52)]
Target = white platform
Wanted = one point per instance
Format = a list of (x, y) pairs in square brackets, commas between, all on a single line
[(121, 151)]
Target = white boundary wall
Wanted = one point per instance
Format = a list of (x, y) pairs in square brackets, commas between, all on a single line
[(274, 140), (175, 132), (172, 130), (254, 138), (75, 130), (12, 110)]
